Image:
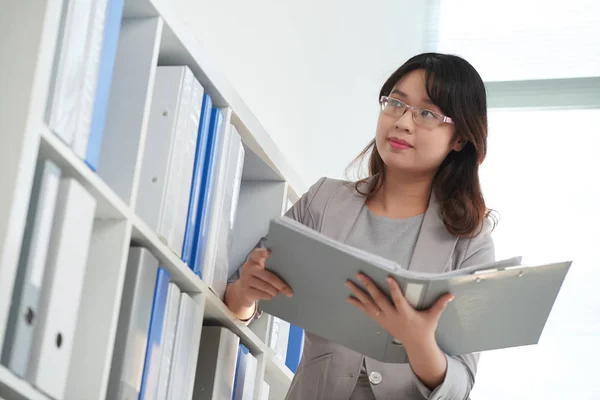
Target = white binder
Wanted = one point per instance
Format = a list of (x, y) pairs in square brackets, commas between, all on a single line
[(168, 161), (217, 359), (90, 77), (24, 313), (185, 351), (69, 69), (215, 267), (134, 321), (61, 291), (280, 333), (172, 316)]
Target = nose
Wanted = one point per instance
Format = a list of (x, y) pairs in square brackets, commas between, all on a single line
[(405, 122)]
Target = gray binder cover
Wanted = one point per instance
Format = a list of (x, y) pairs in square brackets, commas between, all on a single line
[(217, 359), (500, 305)]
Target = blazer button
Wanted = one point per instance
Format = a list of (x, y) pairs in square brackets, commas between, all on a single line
[(375, 378)]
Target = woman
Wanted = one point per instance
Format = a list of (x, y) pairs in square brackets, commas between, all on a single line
[(421, 206)]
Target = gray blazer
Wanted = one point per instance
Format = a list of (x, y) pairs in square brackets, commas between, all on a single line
[(328, 371)]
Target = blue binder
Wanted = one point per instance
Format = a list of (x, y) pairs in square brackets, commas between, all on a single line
[(240, 372), (295, 346), (112, 28), (192, 228), (153, 346), (207, 187)]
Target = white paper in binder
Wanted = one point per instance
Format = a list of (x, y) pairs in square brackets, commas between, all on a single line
[(61, 290), (221, 157), (134, 321), (172, 316), (32, 262), (90, 77), (185, 351), (75, 75), (168, 161), (223, 222), (280, 333)]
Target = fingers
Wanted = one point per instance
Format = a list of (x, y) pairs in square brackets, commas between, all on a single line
[(257, 283), (398, 298), (258, 257), (362, 300), (440, 305), (256, 294), (377, 295), (274, 281)]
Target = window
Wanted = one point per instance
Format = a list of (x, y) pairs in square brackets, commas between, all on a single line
[(520, 39), (542, 175)]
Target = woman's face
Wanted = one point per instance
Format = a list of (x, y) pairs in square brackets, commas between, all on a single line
[(408, 146)]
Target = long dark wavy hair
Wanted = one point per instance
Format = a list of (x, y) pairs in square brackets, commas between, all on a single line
[(457, 89)]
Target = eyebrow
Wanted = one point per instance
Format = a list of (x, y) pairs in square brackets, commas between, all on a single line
[(402, 94)]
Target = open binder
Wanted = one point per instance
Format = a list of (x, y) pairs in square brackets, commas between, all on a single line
[(499, 305)]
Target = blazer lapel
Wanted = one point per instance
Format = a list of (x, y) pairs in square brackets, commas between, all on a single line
[(337, 223), (435, 244)]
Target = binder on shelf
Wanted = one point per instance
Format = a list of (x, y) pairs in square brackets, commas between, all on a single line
[(133, 326), (112, 28), (167, 341), (215, 137), (75, 76), (245, 375), (192, 230), (216, 364), (503, 290), (185, 351), (61, 289), (168, 161), (225, 191), (153, 351), (279, 337), (69, 70), (90, 79), (24, 312)]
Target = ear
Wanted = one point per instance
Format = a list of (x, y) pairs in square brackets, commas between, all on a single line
[(459, 144)]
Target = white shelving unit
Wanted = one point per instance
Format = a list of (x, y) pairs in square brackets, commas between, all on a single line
[(26, 60)]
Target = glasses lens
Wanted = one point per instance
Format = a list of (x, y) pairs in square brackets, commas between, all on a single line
[(427, 118), (393, 107)]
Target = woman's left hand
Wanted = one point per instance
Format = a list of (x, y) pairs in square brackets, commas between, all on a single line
[(399, 318)]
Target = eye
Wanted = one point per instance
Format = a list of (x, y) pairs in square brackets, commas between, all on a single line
[(428, 114), (396, 103)]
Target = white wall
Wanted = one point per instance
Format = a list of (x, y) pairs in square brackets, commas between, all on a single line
[(310, 70)]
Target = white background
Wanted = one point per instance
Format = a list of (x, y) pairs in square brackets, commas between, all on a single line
[(311, 72)]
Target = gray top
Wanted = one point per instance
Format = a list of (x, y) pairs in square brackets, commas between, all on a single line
[(394, 239)]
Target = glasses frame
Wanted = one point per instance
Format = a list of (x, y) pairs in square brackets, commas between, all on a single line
[(414, 110)]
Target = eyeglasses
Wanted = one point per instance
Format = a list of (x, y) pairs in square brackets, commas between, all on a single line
[(422, 116)]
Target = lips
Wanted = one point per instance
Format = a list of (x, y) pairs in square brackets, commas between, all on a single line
[(398, 143)]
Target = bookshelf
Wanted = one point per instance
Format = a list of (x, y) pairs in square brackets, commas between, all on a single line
[(150, 36)]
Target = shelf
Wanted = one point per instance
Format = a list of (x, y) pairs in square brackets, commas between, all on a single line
[(109, 205), (14, 388), (278, 375), (113, 207), (179, 47)]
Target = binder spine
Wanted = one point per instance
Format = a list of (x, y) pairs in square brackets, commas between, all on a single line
[(24, 313)]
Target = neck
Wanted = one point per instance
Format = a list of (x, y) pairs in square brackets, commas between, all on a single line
[(402, 196)]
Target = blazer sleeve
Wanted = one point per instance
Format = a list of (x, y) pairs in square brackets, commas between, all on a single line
[(461, 370)]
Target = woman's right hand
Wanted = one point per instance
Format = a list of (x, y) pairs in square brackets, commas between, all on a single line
[(256, 283)]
